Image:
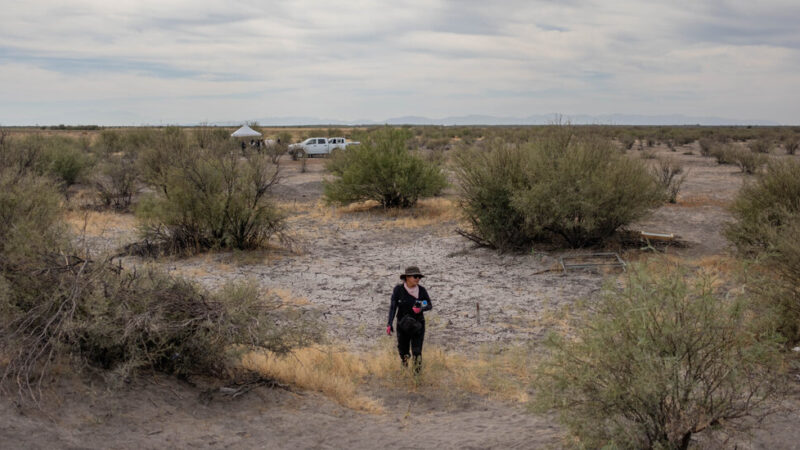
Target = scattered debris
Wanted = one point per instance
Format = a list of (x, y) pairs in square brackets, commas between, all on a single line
[(591, 260)]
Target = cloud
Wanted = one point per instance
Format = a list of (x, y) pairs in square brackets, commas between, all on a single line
[(375, 60)]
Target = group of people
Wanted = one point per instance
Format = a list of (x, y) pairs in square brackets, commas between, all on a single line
[(408, 303), (259, 143)]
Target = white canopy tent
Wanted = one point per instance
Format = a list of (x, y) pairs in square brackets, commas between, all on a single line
[(245, 131)]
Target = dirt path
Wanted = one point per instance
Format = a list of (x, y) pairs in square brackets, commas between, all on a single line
[(165, 413)]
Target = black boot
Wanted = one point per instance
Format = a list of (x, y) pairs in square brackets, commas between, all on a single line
[(417, 363), (404, 360)]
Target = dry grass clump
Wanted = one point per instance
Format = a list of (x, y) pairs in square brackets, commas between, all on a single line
[(329, 370), (97, 223), (499, 373), (426, 212)]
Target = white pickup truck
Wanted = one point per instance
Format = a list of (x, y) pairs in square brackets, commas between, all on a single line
[(318, 146)]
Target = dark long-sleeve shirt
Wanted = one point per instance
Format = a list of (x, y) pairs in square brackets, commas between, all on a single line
[(402, 302)]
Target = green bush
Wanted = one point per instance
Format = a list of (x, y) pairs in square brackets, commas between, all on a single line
[(208, 198), (29, 218), (564, 189), (658, 361), (766, 227), (69, 164), (489, 178), (384, 170), (764, 207)]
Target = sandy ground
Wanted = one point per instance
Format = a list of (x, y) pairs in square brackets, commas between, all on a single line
[(344, 265)]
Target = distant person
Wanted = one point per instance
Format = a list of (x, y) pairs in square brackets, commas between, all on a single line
[(244, 146), (408, 302)]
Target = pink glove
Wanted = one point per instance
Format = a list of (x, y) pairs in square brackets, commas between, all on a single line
[(416, 310), (389, 330)]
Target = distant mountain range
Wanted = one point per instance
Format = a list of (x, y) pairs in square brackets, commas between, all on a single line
[(540, 119)]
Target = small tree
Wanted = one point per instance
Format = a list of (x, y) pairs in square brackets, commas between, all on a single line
[(384, 170), (657, 362)]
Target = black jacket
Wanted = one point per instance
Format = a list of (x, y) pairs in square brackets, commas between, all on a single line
[(402, 302)]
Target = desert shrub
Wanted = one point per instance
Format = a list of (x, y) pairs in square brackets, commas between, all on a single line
[(763, 145), (25, 155), (627, 141), (62, 158), (670, 176), (169, 324), (208, 198), (489, 178), (57, 305), (116, 181), (29, 217), (791, 144), (111, 141), (384, 170), (724, 153), (747, 160), (706, 146), (764, 207), (766, 228), (565, 190), (69, 163), (205, 136), (658, 361)]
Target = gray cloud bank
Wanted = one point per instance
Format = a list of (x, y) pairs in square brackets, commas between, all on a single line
[(155, 62)]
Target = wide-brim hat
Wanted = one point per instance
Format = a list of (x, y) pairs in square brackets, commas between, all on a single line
[(412, 270)]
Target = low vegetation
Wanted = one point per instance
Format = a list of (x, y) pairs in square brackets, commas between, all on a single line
[(658, 361), (58, 305)]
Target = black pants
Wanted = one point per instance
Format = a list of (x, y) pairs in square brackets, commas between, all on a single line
[(414, 340)]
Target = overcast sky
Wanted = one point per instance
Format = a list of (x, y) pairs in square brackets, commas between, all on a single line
[(132, 62)]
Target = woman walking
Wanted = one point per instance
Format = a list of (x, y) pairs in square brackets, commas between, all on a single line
[(409, 300)]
